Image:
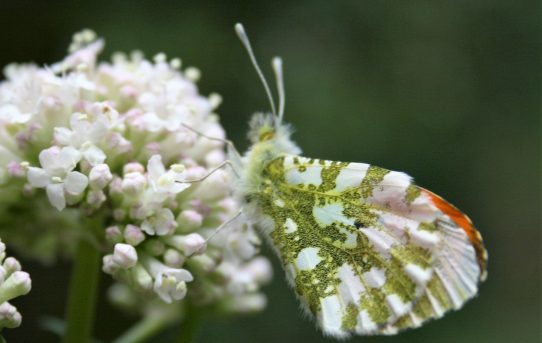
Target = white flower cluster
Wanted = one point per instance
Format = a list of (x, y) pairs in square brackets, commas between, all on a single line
[(118, 140), (13, 283)]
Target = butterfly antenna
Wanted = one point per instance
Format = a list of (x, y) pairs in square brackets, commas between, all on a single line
[(277, 67), (240, 30)]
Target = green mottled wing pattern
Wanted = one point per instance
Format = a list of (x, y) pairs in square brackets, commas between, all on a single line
[(366, 251)]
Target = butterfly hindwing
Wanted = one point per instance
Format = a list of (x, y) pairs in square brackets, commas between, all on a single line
[(367, 251)]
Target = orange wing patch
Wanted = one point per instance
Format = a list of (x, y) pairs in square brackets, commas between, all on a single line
[(465, 223)]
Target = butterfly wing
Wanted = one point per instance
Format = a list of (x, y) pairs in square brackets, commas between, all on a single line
[(367, 251)]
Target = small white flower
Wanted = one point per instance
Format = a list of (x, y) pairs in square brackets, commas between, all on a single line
[(169, 283), (166, 182), (86, 132), (12, 114), (57, 175), (161, 223)]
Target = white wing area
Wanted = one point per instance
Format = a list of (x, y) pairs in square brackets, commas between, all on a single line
[(371, 253)]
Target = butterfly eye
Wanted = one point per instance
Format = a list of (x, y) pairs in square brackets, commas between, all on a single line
[(266, 134)]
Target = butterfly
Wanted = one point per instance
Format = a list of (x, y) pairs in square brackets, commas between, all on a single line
[(365, 249)]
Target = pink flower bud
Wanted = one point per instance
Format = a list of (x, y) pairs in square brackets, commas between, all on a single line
[(133, 183), (191, 244), (115, 187), (133, 235), (189, 220), (133, 167), (96, 198), (99, 176), (113, 234), (108, 265), (173, 258), (125, 255)]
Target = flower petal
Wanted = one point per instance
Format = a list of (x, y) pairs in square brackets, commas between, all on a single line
[(155, 167), (75, 183), (68, 158), (38, 177), (94, 155), (63, 135), (49, 158), (55, 193)]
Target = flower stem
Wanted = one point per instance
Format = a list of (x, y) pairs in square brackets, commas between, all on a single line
[(83, 290), (143, 330), (190, 325)]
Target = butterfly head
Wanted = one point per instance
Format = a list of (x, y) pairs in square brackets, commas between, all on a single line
[(265, 129), (262, 128)]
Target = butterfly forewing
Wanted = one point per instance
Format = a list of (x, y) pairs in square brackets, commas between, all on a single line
[(367, 251)]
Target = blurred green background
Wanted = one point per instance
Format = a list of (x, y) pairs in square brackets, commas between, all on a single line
[(447, 91)]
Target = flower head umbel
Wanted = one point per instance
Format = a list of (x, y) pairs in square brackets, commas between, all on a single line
[(116, 140)]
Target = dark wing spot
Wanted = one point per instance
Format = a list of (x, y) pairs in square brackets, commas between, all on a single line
[(358, 224)]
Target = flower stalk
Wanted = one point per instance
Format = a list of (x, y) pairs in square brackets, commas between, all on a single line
[(143, 330), (83, 289), (190, 324)]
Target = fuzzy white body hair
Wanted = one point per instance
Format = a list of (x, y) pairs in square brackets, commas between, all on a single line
[(248, 180), (250, 168)]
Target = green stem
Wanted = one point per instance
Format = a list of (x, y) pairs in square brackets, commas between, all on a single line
[(190, 325), (143, 330), (83, 289)]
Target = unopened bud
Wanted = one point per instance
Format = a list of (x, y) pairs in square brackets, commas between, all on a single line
[(142, 278), (202, 262), (192, 73), (11, 265), (133, 235), (9, 316), (96, 198), (133, 183), (108, 265), (190, 244), (99, 176), (17, 284), (189, 220), (113, 234), (125, 255), (173, 258), (133, 167)]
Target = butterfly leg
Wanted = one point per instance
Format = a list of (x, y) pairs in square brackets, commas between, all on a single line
[(217, 230), (229, 143), (220, 166)]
